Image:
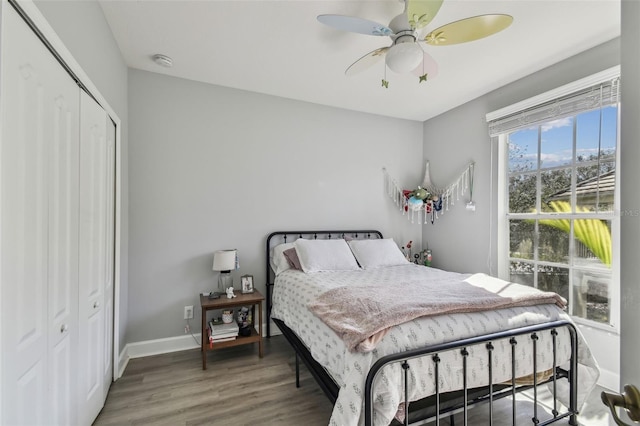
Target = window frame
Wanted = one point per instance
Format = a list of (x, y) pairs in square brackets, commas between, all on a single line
[(501, 139)]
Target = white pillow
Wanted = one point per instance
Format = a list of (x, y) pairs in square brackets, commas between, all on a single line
[(325, 255), (277, 260), (377, 253)]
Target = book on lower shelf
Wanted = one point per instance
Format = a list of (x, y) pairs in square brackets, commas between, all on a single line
[(217, 329), (223, 336), (223, 332), (225, 339)]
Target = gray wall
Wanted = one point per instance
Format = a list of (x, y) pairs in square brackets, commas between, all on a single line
[(84, 31), (213, 168), (630, 196), (462, 240)]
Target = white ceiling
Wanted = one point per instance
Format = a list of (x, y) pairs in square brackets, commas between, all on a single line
[(279, 48)]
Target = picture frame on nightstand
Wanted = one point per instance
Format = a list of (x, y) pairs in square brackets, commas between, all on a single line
[(246, 283)]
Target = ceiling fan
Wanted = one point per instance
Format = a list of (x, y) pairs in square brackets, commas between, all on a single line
[(406, 54)]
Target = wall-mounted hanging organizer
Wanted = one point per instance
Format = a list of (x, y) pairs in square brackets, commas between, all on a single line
[(427, 202)]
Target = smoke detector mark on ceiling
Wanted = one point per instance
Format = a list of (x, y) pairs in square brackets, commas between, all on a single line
[(162, 60)]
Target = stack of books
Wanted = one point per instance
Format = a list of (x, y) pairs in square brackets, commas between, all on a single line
[(221, 332)]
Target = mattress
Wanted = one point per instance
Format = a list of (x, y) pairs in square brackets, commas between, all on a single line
[(293, 290)]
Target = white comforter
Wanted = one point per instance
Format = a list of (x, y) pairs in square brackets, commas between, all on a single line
[(293, 290)]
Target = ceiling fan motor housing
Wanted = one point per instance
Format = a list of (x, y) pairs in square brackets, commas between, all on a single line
[(399, 23), (405, 36)]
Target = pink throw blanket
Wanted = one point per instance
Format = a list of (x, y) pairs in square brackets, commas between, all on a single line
[(361, 316)]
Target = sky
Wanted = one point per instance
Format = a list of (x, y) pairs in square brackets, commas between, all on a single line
[(557, 140)]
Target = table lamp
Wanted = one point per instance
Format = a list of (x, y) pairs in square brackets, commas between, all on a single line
[(224, 261)]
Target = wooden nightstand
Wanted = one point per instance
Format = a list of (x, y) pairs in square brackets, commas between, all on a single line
[(223, 302)]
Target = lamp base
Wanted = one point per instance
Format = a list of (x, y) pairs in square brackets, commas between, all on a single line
[(224, 281)]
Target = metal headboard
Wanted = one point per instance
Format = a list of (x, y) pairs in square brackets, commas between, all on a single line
[(280, 237)]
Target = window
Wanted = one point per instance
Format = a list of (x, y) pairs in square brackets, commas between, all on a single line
[(557, 180)]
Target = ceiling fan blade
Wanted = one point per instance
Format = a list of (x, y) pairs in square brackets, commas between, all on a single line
[(468, 29), (427, 69), (355, 25), (367, 61), (421, 12)]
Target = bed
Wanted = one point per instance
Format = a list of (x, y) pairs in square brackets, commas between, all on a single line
[(419, 368)]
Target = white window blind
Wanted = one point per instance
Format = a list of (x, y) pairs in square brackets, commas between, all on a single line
[(600, 90)]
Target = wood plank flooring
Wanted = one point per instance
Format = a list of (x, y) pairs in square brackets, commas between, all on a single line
[(239, 388)]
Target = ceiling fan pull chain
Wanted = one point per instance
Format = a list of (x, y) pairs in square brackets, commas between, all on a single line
[(385, 83)]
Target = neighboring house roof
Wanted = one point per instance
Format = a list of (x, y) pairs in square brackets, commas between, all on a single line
[(603, 186)]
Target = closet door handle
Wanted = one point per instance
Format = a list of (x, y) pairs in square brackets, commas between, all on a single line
[(96, 304), (63, 328)]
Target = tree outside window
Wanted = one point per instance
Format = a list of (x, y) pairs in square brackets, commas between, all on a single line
[(561, 186)]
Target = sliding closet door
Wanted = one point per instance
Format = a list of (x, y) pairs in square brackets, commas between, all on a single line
[(38, 229), (93, 256)]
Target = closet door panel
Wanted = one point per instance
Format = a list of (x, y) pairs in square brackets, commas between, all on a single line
[(92, 372), (110, 256), (62, 384), (40, 110), (93, 259), (63, 218), (63, 257)]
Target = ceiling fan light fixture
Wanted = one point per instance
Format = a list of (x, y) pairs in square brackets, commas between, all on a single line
[(404, 56)]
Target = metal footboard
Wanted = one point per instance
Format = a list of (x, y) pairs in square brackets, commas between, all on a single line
[(522, 335)]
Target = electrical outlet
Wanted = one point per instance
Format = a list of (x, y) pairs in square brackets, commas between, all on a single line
[(188, 312)]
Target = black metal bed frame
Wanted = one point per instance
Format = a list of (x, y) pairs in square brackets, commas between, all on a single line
[(440, 404)]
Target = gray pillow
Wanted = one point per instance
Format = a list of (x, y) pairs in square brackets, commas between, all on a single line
[(292, 257)]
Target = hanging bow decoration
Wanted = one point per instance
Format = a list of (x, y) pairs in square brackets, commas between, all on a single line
[(428, 201)]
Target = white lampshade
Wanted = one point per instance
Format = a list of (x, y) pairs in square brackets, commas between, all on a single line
[(225, 260), (404, 57)]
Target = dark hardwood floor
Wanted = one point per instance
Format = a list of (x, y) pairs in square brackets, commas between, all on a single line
[(239, 388)]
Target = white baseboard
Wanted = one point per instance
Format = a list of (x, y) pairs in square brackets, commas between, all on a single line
[(155, 347), (275, 331), (167, 345), (122, 361), (163, 346), (607, 379)]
